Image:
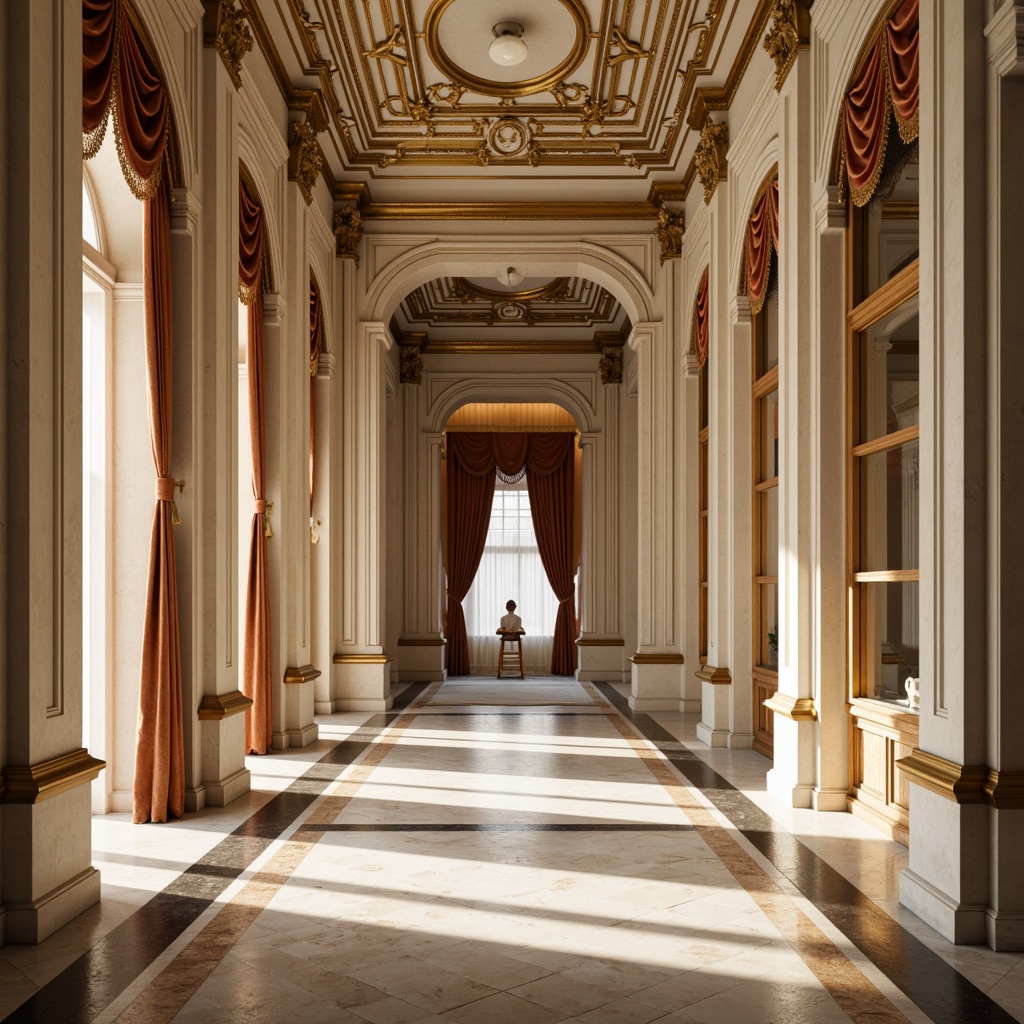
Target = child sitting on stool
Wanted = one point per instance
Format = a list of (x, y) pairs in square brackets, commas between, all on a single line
[(511, 624)]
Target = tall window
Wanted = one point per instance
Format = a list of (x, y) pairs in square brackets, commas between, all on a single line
[(510, 569), (885, 435), (765, 395)]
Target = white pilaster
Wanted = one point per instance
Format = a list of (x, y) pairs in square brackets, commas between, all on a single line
[(321, 586)]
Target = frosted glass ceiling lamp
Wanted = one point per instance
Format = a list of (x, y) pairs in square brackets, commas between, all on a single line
[(509, 277), (508, 48)]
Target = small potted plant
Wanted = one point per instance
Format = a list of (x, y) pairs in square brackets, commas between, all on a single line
[(773, 647)]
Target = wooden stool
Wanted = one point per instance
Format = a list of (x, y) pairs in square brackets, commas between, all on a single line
[(512, 658)]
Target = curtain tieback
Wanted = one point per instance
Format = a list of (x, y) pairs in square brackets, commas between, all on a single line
[(165, 492), (262, 508), (261, 505), (566, 600)]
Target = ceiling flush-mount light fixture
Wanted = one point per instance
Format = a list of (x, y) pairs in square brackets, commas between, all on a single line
[(509, 277), (508, 48)]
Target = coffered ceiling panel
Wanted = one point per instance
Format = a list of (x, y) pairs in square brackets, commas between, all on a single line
[(411, 92)]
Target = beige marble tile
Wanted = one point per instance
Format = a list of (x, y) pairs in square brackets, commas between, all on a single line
[(560, 993), (423, 984), (502, 1008)]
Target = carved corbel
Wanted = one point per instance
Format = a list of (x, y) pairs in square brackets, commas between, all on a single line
[(305, 161), (709, 158), (411, 366), (611, 364), (348, 229), (671, 224), (226, 28), (790, 30)]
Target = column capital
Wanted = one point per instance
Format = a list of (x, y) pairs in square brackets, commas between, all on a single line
[(326, 365), (273, 309), (185, 208), (1005, 36), (644, 331), (739, 310), (829, 210)]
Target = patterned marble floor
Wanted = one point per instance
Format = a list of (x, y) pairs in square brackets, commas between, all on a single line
[(489, 852)]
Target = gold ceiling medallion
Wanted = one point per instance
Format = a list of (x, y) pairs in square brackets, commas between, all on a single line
[(508, 137), (671, 224), (348, 230), (228, 30), (611, 364), (386, 49), (446, 92), (709, 157), (305, 160), (628, 50), (789, 31), (492, 87)]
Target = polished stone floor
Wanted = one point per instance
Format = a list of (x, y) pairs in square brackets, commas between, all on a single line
[(489, 852)]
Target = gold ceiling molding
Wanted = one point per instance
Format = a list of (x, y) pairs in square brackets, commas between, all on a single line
[(227, 29), (305, 160), (709, 157), (469, 82), (511, 416), (482, 346), (789, 33), (511, 210)]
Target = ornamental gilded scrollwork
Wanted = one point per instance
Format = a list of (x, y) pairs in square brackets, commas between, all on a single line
[(226, 28), (305, 161), (671, 224), (709, 157), (790, 29), (611, 364), (348, 230), (411, 365)]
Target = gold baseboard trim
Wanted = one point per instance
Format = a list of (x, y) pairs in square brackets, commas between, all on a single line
[(963, 784), (302, 674), (719, 675), (600, 641), (656, 659), (797, 709), (34, 783), (362, 659), (215, 707), (426, 641)]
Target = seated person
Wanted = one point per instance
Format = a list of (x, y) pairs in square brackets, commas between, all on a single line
[(511, 624)]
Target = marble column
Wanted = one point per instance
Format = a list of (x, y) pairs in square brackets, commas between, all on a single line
[(691, 700), (46, 877), (361, 673), (657, 665), (792, 777), (216, 596), (321, 528)]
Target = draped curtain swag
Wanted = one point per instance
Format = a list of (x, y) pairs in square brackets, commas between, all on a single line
[(762, 234), (256, 669), (316, 344), (118, 73), (887, 81), (120, 78), (699, 327), (472, 459)]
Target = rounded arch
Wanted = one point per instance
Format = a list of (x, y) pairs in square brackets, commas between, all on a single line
[(504, 388), (91, 217), (483, 257), (765, 168), (258, 186), (852, 41)]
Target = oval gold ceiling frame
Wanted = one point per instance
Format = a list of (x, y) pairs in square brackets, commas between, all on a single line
[(489, 87)]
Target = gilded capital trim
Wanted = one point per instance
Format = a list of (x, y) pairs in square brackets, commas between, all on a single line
[(797, 709), (664, 658), (719, 675), (215, 707), (31, 784), (302, 674), (362, 659), (963, 784)]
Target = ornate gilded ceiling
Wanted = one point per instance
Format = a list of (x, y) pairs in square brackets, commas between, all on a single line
[(460, 314), (405, 89)]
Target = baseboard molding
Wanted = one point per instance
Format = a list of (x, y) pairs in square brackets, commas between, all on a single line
[(644, 704), (33, 921), (222, 792), (195, 799), (363, 703), (121, 801), (712, 737), (959, 923), (304, 736)]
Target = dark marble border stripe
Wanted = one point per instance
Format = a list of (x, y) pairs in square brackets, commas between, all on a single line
[(938, 989), (498, 826), (101, 974)]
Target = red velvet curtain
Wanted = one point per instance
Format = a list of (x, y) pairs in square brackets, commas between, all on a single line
[(699, 329), (887, 81), (316, 344), (762, 234), (471, 461), (470, 494), (117, 69), (256, 668)]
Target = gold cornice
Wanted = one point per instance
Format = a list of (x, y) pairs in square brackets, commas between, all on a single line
[(797, 709), (302, 674), (510, 347), (790, 33), (664, 658), (666, 192), (719, 675), (960, 783), (357, 192), (900, 209), (362, 659), (215, 707), (34, 783), (511, 211)]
